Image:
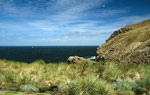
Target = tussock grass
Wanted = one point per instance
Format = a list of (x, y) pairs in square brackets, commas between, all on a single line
[(103, 78)]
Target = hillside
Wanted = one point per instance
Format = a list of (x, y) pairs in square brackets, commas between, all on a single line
[(130, 44)]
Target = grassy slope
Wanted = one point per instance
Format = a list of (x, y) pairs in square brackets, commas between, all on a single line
[(104, 78), (124, 44)]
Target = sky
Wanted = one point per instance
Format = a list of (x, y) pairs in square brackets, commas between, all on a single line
[(66, 22)]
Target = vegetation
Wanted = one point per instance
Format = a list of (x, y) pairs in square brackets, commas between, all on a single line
[(99, 78), (130, 44)]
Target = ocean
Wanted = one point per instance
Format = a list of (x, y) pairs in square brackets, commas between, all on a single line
[(46, 53)]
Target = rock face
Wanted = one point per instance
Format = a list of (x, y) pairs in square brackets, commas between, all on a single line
[(77, 59), (120, 31), (130, 44)]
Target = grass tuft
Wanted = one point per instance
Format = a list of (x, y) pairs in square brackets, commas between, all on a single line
[(98, 78)]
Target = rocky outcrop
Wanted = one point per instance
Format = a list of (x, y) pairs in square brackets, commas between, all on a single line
[(77, 59), (130, 44), (139, 56), (120, 31)]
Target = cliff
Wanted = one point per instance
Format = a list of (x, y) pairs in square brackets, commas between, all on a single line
[(130, 44)]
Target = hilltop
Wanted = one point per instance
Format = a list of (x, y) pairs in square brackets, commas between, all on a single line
[(130, 44)]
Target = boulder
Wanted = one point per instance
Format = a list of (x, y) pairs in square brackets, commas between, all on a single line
[(77, 59)]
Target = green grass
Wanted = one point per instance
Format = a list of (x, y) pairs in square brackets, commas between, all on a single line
[(99, 78)]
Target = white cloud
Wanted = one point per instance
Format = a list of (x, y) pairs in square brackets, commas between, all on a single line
[(62, 21)]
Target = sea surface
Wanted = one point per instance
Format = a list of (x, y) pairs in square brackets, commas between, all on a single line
[(47, 53)]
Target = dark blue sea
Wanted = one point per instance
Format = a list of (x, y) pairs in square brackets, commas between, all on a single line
[(47, 53)]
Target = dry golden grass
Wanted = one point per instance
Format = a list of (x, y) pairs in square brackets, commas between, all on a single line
[(124, 44)]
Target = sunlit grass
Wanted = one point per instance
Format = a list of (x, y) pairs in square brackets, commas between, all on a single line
[(103, 78)]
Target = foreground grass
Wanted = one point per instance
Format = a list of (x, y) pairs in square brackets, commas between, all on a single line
[(20, 93), (103, 78)]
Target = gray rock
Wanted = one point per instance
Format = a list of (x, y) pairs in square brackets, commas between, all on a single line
[(77, 59)]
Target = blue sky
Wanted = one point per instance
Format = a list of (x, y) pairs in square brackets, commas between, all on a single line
[(66, 22)]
